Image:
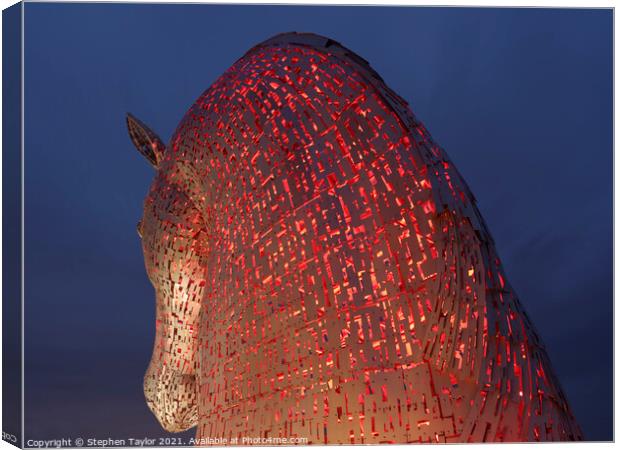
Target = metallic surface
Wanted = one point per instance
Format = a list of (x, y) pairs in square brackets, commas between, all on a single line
[(322, 271)]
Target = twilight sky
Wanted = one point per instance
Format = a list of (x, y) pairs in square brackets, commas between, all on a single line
[(521, 99)]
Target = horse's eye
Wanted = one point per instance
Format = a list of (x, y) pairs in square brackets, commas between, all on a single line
[(139, 228)]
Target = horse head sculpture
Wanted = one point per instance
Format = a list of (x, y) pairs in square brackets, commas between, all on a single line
[(322, 272)]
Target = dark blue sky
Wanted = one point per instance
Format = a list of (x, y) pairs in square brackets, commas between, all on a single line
[(521, 99)]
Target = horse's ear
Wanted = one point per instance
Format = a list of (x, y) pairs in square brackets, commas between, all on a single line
[(145, 140)]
